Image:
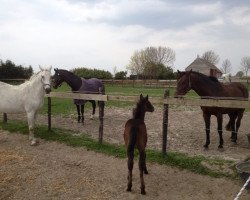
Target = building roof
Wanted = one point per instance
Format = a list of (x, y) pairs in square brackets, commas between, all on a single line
[(202, 63)]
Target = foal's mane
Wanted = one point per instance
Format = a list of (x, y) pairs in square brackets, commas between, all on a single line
[(137, 108)]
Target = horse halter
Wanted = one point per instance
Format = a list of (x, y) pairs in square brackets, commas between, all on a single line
[(45, 84)]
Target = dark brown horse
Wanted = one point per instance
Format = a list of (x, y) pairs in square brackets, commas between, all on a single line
[(135, 136), (81, 85), (207, 87)]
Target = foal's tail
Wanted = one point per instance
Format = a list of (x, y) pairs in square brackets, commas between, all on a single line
[(132, 141)]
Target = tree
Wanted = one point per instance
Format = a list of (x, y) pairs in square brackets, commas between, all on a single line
[(245, 63), (121, 75), (8, 70), (226, 66), (239, 74), (146, 62), (211, 57)]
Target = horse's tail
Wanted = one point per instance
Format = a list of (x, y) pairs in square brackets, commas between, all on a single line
[(132, 141)]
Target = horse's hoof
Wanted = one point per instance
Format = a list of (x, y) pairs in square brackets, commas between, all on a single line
[(205, 146), (34, 143), (145, 171), (233, 140), (143, 192), (129, 190)]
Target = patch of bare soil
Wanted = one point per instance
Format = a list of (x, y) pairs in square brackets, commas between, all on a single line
[(55, 171), (186, 130)]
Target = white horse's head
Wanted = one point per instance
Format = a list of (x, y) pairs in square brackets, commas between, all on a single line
[(46, 78)]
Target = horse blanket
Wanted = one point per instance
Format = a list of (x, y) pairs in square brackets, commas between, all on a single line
[(89, 86)]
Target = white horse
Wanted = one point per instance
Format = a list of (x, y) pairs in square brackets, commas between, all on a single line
[(226, 77), (26, 98)]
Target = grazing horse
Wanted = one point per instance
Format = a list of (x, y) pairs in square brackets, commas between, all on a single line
[(135, 136), (207, 87), (26, 98), (81, 85)]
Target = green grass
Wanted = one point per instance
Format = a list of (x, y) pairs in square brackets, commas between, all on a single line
[(66, 106), (174, 159)]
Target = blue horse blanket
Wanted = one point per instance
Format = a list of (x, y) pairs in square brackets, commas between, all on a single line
[(89, 86)]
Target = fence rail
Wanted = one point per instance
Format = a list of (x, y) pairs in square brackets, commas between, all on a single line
[(209, 101)]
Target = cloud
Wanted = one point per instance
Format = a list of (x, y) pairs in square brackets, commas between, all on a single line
[(104, 34)]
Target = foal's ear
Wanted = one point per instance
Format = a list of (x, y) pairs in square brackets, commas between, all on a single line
[(146, 97), (141, 97)]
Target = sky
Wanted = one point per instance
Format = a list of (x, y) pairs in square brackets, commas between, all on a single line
[(104, 34)]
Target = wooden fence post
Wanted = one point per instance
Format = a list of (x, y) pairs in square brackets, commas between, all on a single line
[(165, 124), (49, 113), (101, 114), (5, 119)]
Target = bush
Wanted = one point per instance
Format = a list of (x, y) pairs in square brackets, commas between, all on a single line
[(92, 73)]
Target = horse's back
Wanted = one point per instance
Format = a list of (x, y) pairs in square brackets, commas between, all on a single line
[(235, 89), (141, 134), (92, 85)]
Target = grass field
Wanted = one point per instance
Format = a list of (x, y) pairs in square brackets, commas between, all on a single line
[(66, 106)]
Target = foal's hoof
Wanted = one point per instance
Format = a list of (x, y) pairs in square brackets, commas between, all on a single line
[(205, 146), (129, 190), (145, 171)]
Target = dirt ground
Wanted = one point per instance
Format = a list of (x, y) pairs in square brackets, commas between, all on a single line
[(55, 171)]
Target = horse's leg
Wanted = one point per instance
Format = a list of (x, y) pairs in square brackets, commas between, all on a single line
[(130, 169), (82, 112), (233, 128), (238, 122), (78, 112), (31, 123), (219, 128), (207, 118), (93, 109), (142, 164), (145, 166)]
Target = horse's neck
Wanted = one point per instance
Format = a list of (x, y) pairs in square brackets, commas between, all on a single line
[(203, 87), (35, 87), (139, 113), (73, 81)]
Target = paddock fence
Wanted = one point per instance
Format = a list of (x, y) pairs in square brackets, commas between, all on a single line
[(165, 101)]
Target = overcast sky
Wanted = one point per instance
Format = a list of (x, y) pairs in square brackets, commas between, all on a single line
[(104, 34)]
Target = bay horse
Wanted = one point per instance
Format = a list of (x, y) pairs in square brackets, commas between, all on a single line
[(26, 98), (81, 85), (135, 136), (207, 87)]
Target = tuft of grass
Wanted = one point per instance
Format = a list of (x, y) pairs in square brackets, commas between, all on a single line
[(173, 159)]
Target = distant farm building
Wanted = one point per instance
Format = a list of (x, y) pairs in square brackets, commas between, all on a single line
[(204, 67)]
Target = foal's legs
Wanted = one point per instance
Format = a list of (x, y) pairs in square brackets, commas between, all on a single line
[(31, 116), (130, 169), (207, 118), (219, 128), (142, 165), (232, 127)]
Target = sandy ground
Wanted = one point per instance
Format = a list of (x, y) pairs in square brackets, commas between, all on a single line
[(55, 171)]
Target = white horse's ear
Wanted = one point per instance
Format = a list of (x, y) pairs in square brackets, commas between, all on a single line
[(41, 68)]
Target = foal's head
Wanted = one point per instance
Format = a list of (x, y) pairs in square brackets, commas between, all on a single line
[(144, 105)]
